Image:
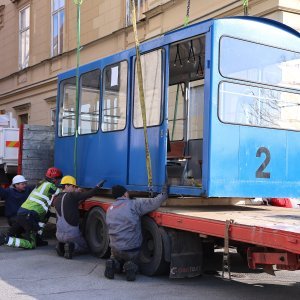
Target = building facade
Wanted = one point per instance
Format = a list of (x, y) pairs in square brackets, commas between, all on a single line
[(38, 40)]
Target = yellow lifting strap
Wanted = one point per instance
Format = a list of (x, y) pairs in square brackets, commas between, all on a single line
[(141, 94)]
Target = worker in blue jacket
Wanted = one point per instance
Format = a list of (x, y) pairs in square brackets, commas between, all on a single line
[(14, 196)]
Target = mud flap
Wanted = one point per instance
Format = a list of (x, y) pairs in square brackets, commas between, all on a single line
[(186, 254)]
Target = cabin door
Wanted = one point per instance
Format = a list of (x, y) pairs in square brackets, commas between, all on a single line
[(152, 66)]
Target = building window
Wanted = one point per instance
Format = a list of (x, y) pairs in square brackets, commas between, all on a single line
[(114, 97), (58, 20), (140, 6), (53, 116), (24, 35), (23, 119), (2, 15)]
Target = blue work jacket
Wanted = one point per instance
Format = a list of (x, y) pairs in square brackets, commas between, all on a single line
[(13, 199)]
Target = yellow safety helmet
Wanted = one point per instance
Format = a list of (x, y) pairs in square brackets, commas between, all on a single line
[(68, 180)]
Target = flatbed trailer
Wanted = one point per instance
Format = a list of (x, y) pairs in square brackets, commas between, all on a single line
[(268, 235)]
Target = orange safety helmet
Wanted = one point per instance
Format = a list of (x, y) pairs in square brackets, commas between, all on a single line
[(54, 173)]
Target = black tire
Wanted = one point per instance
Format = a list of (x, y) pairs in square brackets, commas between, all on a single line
[(152, 260), (96, 233)]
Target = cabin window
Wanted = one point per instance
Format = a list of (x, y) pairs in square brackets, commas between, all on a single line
[(259, 63), (114, 97), (196, 110), (152, 82), (89, 102), (176, 112), (67, 107), (255, 106)]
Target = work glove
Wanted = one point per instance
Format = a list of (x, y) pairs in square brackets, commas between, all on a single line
[(165, 189), (100, 184)]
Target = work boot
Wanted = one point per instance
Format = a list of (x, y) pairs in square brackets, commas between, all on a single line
[(69, 249), (130, 269), (60, 249), (109, 269), (3, 239), (117, 266)]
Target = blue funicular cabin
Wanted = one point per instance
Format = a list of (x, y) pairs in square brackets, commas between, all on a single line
[(223, 113)]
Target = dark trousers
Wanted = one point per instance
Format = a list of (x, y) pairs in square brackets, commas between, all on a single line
[(18, 230), (121, 257), (26, 224)]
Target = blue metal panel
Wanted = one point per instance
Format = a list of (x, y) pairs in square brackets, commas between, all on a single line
[(101, 154), (104, 157), (292, 159), (234, 158), (63, 154), (137, 161), (251, 140)]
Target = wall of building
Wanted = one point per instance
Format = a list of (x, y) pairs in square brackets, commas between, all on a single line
[(103, 32)]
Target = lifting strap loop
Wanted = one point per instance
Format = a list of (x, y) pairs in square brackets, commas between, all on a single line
[(226, 253), (245, 5), (141, 94), (187, 17)]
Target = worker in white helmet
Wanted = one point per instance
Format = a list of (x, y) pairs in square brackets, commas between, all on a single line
[(14, 196)]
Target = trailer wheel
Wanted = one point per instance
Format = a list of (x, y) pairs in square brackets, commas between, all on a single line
[(152, 260), (96, 233)]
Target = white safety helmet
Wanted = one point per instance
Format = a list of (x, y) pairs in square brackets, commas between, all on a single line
[(18, 179)]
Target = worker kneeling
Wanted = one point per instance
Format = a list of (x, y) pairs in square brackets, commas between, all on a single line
[(33, 214), (123, 219), (70, 239)]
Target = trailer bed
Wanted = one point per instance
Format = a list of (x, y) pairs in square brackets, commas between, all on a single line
[(266, 226)]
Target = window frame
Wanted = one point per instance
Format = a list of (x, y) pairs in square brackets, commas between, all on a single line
[(60, 107), (102, 96), (184, 111), (251, 81), (52, 24), (258, 86), (20, 32), (80, 97), (202, 83)]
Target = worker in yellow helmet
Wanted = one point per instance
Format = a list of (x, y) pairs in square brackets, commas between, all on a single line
[(66, 203)]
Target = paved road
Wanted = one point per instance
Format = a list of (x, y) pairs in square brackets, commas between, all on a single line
[(41, 274)]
